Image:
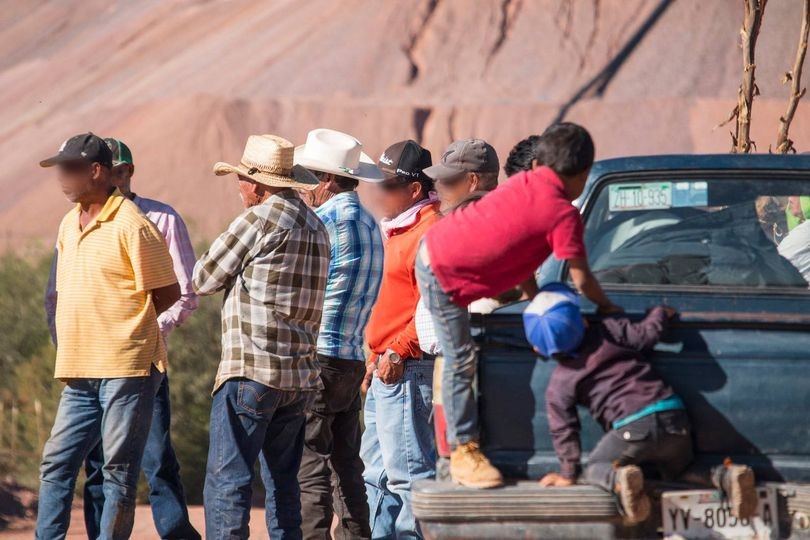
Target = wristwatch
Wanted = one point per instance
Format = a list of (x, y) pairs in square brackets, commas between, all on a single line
[(393, 357)]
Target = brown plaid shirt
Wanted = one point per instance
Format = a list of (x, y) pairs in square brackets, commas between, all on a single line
[(272, 263)]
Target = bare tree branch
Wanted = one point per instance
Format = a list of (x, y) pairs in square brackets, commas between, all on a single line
[(754, 11), (794, 77), (731, 117)]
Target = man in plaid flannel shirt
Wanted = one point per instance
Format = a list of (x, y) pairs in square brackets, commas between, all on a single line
[(272, 263)]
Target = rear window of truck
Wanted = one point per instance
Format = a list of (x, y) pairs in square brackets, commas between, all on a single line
[(746, 232)]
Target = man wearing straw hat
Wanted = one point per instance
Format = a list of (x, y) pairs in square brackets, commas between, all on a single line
[(272, 264), (332, 445)]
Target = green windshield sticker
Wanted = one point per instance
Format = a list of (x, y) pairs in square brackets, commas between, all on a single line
[(640, 196), (689, 194)]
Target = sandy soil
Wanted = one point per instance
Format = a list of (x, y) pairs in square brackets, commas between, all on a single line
[(144, 527), (185, 82)]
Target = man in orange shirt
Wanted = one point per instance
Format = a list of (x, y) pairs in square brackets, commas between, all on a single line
[(399, 449)]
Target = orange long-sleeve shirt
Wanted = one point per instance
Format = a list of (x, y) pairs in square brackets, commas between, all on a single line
[(392, 325)]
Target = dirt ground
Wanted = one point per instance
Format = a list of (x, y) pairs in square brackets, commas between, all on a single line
[(144, 527)]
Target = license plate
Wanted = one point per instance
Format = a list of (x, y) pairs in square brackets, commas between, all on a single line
[(642, 196), (704, 514)]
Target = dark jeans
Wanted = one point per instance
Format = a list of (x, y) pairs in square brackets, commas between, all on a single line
[(162, 471), (662, 440), (250, 421), (117, 412), (331, 474)]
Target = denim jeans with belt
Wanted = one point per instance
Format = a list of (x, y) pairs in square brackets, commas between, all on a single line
[(398, 448), (162, 471), (117, 412), (251, 421), (452, 326)]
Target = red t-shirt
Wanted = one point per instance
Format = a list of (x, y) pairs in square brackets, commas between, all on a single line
[(497, 242)]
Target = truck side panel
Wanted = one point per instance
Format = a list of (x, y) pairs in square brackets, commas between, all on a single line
[(746, 401)]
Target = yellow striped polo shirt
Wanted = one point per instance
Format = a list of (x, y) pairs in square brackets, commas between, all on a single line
[(105, 320)]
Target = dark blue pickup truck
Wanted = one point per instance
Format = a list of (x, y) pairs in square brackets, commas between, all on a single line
[(725, 240)]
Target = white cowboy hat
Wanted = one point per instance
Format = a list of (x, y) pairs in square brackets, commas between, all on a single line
[(330, 151), (268, 159)]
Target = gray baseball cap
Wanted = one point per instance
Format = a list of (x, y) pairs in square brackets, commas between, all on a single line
[(466, 155)]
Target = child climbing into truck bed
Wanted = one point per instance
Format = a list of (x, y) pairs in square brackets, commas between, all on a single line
[(602, 367)]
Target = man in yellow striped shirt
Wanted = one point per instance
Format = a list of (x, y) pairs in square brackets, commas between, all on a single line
[(114, 276)]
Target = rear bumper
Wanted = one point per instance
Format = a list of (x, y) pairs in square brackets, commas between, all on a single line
[(519, 510), (523, 500), (523, 509)]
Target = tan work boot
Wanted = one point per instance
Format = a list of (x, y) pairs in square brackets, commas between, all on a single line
[(470, 467), (739, 486), (630, 488)]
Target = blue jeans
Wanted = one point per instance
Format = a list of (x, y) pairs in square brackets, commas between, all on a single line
[(452, 325), (250, 421), (118, 412), (162, 473), (398, 448)]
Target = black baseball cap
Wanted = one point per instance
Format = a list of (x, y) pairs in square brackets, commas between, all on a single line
[(85, 147), (406, 159)]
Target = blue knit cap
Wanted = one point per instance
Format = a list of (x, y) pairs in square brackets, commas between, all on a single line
[(553, 321)]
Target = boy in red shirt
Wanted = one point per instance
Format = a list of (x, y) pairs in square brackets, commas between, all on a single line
[(493, 245)]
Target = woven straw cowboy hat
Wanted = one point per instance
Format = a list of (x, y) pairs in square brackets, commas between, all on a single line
[(268, 159), (330, 151)]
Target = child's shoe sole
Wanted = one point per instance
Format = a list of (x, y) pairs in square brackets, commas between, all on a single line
[(742, 491), (634, 500)]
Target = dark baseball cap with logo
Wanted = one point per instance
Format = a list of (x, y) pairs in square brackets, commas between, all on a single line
[(85, 147), (405, 159), (466, 155)]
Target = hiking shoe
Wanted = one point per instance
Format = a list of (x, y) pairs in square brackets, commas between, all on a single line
[(630, 488), (739, 486), (470, 467)]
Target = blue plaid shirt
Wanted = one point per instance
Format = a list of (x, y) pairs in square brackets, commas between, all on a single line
[(355, 272)]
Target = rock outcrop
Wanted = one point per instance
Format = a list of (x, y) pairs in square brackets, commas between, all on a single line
[(183, 82)]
